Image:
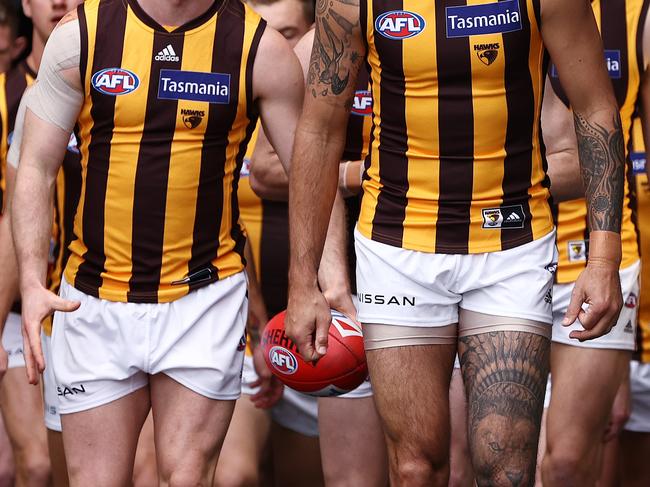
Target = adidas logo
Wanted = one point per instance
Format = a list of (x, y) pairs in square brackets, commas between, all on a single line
[(513, 218), (628, 327), (167, 54)]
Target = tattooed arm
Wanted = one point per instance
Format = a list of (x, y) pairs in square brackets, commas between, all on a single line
[(571, 36), (337, 54)]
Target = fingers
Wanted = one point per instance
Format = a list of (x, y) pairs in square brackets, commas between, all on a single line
[(596, 323), (323, 323), (575, 305), (59, 304), (30, 363)]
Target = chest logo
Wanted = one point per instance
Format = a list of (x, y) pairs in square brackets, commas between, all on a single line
[(399, 24), (194, 85), (362, 103), (487, 53), (115, 81), (488, 18), (613, 62), (192, 118)]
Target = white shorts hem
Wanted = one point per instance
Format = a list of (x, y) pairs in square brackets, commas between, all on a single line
[(200, 390), (98, 402)]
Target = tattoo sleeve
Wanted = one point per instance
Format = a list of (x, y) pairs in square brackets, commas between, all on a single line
[(334, 60), (505, 376), (602, 161)]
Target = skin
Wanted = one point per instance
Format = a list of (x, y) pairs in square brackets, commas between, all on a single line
[(573, 451), (178, 413), (516, 397), (459, 458), (7, 465), (10, 47)]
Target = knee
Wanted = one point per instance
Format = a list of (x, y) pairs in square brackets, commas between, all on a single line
[(35, 468), (247, 476), (567, 467), (421, 472)]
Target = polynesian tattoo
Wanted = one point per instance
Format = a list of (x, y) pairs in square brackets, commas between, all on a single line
[(332, 62), (602, 161), (505, 377)]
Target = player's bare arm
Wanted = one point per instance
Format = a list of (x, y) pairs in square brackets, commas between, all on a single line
[(561, 148), (571, 36), (52, 107), (337, 54)]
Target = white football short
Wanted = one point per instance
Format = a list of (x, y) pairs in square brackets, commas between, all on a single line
[(421, 289), (640, 387), (50, 394), (622, 336), (106, 350), (12, 341)]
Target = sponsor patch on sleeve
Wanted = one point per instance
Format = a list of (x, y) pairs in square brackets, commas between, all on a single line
[(194, 86), (488, 18)]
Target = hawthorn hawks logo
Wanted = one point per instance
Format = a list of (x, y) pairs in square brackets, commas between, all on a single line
[(487, 53)]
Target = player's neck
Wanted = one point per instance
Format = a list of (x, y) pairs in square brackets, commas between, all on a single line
[(34, 57), (175, 12)]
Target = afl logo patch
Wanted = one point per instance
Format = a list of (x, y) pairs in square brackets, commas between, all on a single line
[(115, 81), (362, 103), (283, 360), (399, 24)]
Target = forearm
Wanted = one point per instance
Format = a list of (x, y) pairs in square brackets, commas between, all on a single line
[(32, 223), (312, 188), (9, 281), (257, 316), (602, 162), (333, 273)]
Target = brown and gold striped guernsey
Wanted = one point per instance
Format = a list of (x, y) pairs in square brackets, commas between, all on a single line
[(12, 86), (621, 24), (457, 162), (638, 158), (163, 131)]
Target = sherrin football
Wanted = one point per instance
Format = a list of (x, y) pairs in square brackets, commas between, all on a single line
[(341, 370)]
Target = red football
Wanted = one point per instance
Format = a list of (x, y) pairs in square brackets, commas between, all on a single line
[(341, 370)]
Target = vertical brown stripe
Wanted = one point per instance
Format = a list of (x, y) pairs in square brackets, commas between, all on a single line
[(613, 30), (111, 24), (236, 231), (72, 177), (83, 59), (227, 58), (456, 132), (639, 36), (520, 100), (151, 179), (354, 136), (15, 87), (274, 255), (390, 212)]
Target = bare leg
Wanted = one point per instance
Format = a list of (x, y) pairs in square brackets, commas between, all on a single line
[(505, 375), (22, 408), (145, 470), (352, 444), (609, 473), (100, 443), (296, 458), (243, 448), (541, 450), (189, 431), (581, 404), (411, 387), (7, 467), (635, 455), (57, 457), (460, 461)]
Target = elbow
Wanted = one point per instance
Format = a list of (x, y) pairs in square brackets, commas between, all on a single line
[(266, 188)]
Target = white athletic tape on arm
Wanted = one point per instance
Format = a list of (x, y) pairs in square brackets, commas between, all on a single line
[(53, 98)]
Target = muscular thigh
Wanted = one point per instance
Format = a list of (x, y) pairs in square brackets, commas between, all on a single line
[(505, 375), (411, 387), (584, 382), (22, 409)]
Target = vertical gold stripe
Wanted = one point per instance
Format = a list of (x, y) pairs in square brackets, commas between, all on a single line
[(490, 110), (539, 209), (421, 104), (77, 247), (187, 146), (228, 260), (129, 113), (372, 187)]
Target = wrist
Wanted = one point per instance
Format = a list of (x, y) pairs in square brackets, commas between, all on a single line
[(605, 248)]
